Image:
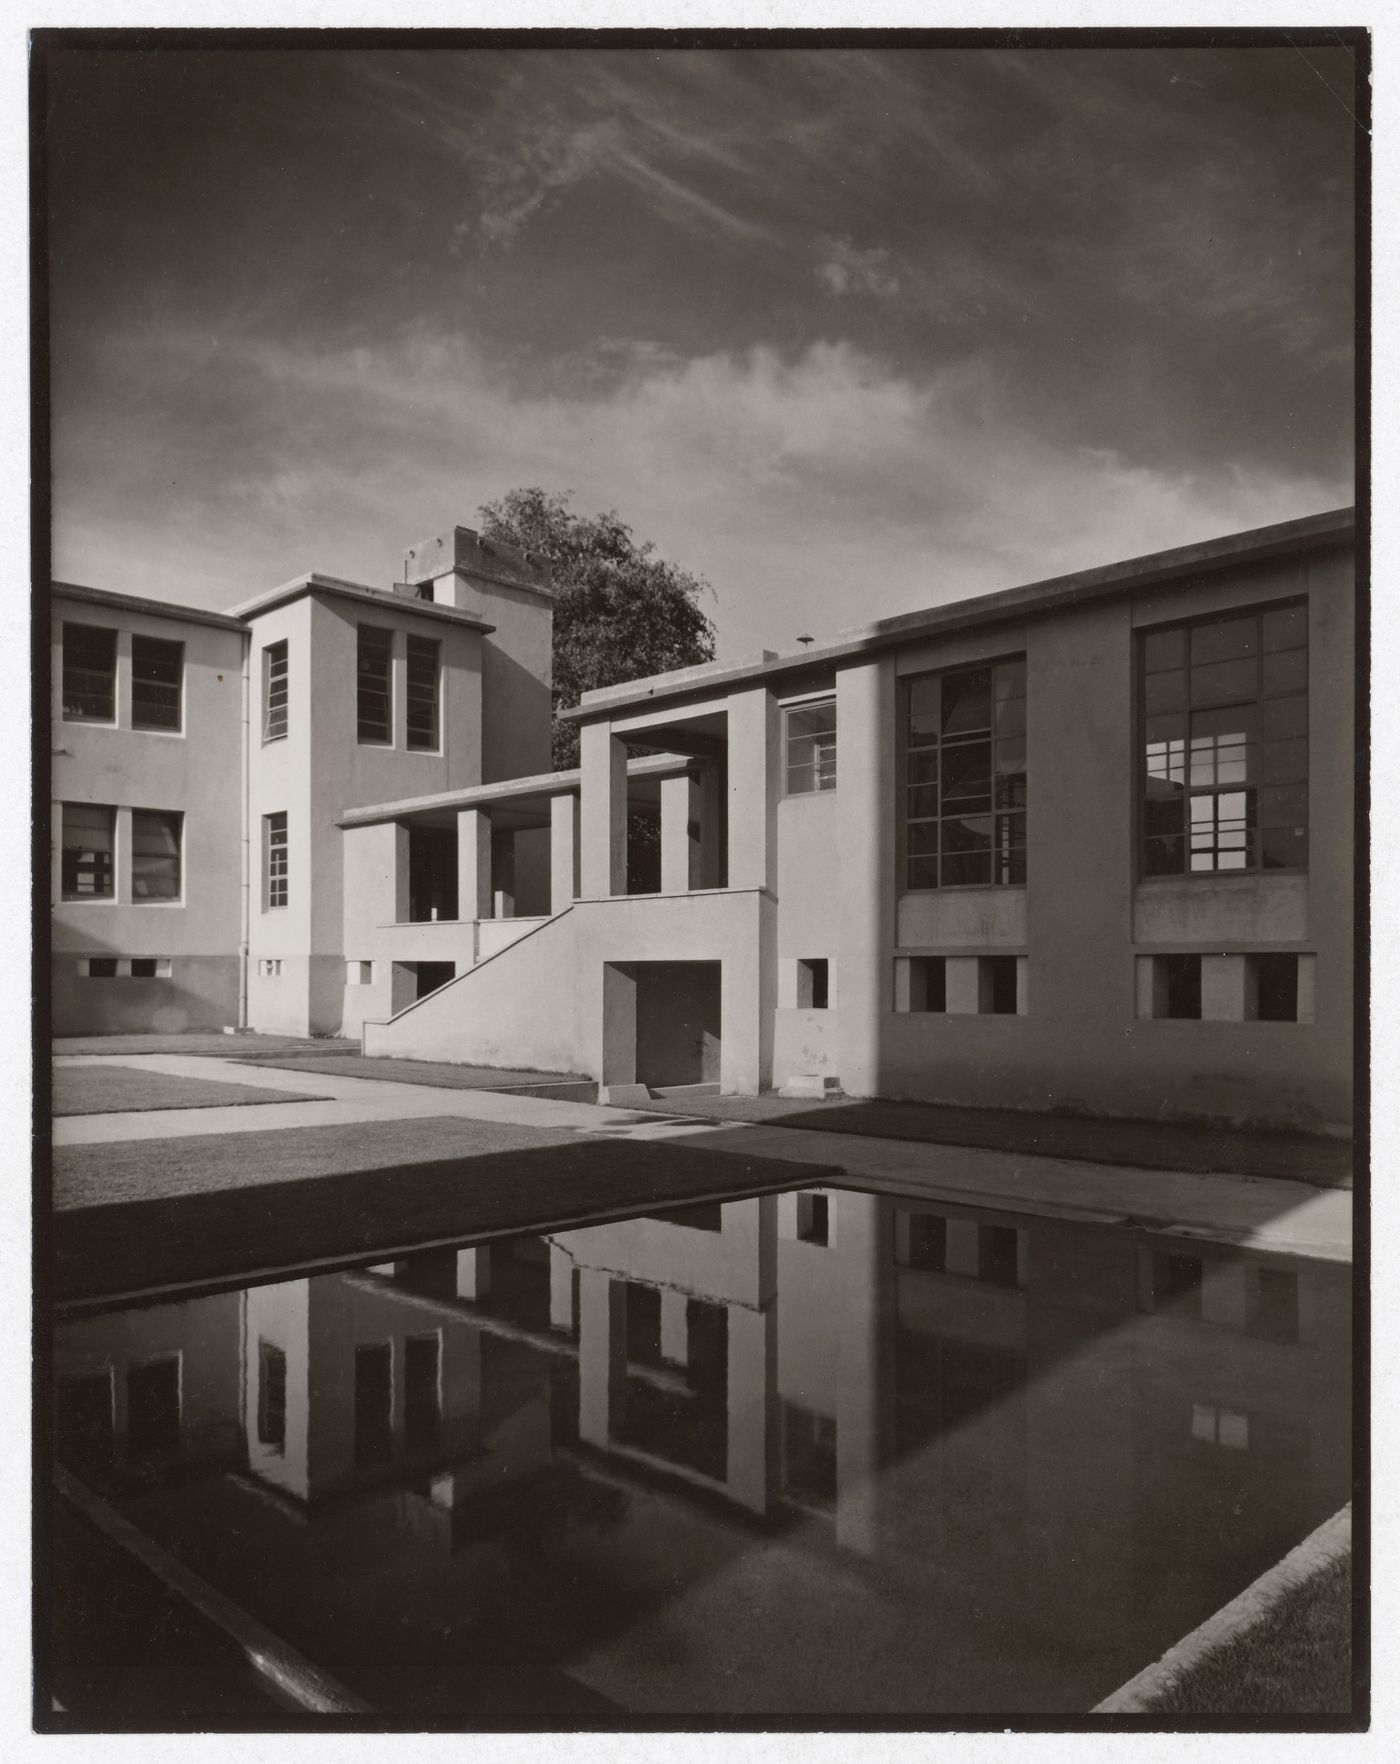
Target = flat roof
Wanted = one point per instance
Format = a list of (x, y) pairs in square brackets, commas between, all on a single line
[(1312, 532), (315, 583), (161, 609), (505, 790)]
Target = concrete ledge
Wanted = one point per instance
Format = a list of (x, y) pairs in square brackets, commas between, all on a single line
[(1331, 1540), (624, 1096)]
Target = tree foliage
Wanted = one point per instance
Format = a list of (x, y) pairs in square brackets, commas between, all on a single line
[(620, 611)]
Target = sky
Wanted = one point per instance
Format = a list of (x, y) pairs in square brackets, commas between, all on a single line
[(848, 332)]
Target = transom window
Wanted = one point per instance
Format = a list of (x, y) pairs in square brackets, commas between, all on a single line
[(275, 692), (89, 839), (423, 693), (156, 669), (965, 777), (89, 674), (374, 647), (155, 854), (1225, 744), (811, 747)]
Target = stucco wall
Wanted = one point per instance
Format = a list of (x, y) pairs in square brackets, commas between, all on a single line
[(196, 772)]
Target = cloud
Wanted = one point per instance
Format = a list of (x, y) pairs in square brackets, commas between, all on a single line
[(846, 269), (812, 487)]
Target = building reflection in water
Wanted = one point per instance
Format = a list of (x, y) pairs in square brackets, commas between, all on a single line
[(814, 1450)]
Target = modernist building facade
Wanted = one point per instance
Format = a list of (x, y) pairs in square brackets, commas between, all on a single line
[(1083, 845)]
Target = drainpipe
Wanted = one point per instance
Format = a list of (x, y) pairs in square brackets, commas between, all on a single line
[(245, 854)]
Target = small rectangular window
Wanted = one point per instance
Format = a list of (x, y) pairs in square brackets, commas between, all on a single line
[(998, 988), (270, 967), (423, 693), (813, 1218), (997, 1254), (100, 967), (928, 984), (1275, 988), (89, 841), (359, 973), (155, 854), (928, 1242), (272, 1396), (810, 735), (275, 692), (275, 869), (374, 714), (89, 674), (157, 668), (812, 982), (143, 967)]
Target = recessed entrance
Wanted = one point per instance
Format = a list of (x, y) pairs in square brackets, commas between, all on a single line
[(662, 1023)]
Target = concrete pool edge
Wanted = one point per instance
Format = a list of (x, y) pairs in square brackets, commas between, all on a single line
[(1327, 1544)]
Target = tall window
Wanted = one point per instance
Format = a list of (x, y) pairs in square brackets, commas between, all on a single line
[(965, 777), (155, 854), (1225, 744), (88, 843), (373, 703), (811, 748), (89, 674), (275, 692), (423, 693), (156, 670), (275, 860)]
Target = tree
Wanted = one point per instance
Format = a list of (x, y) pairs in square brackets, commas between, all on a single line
[(620, 611)]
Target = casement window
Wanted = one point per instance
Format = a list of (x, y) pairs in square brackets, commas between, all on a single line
[(89, 674), (423, 693), (810, 742), (1224, 744), (89, 842), (965, 777), (275, 692), (155, 854), (157, 669), (373, 694), (275, 860)]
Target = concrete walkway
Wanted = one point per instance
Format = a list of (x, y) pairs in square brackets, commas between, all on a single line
[(1257, 1213)]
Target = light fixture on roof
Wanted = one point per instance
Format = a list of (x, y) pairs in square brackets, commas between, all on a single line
[(805, 639)]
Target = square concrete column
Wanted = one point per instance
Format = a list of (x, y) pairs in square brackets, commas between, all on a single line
[(963, 978), (675, 1327), (473, 864), (680, 809), (619, 1065), (865, 1299), (1225, 988), (474, 1273), (602, 1354), (602, 812), (752, 1376), (755, 729), (862, 878), (563, 852), (561, 1290), (376, 872), (502, 873)]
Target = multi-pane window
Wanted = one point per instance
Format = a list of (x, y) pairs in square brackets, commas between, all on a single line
[(811, 748), (423, 693), (373, 650), (156, 669), (89, 840), (1225, 744), (965, 777), (155, 854), (89, 674), (275, 692), (275, 859)]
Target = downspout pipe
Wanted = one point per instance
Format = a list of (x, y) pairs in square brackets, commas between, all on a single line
[(245, 853)]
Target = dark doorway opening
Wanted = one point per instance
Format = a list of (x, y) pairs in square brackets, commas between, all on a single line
[(678, 1022)]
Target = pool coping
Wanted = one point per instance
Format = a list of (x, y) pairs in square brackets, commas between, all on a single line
[(1327, 1544)]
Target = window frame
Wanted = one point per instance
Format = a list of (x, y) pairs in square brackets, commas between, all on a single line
[(275, 880), (366, 636), (175, 817), (273, 653), (170, 643), (110, 633), (1010, 812), (800, 707), (1254, 787), (414, 641), (71, 897)]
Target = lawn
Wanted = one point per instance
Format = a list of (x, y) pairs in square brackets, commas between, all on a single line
[(110, 1090), (1295, 1661)]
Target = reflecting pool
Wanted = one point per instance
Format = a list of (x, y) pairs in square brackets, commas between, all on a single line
[(817, 1452)]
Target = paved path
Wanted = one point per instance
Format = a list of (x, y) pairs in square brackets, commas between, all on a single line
[(1258, 1213)]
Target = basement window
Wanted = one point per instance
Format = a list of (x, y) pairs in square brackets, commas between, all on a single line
[(100, 967), (150, 967), (1176, 986), (812, 984), (1275, 988), (359, 973), (997, 985)]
